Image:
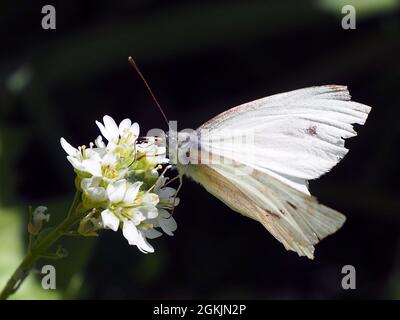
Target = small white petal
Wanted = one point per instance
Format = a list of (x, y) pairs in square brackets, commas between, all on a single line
[(168, 225), (137, 217), (39, 215), (150, 212), (86, 183), (130, 232), (70, 150), (111, 146), (150, 198), (109, 220), (116, 191), (110, 159), (40, 209), (98, 154), (135, 129), (123, 126), (75, 163), (111, 127), (99, 142), (97, 194), (104, 131), (132, 192), (143, 245), (152, 233), (96, 181), (162, 213), (94, 154), (92, 166)]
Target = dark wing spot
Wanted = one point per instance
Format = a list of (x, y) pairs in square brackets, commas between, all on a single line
[(292, 205), (312, 131), (269, 213)]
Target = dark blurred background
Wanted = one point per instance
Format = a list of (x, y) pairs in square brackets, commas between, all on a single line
[(200, 57)]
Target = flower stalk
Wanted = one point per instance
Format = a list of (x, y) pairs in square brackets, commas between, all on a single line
[(40, 250)]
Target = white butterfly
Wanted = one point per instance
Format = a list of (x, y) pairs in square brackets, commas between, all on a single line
[(298, 136)]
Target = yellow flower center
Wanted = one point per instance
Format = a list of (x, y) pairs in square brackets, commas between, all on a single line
[(109, 171)]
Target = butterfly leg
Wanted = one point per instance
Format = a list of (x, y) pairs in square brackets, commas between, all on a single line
[(177, 190)]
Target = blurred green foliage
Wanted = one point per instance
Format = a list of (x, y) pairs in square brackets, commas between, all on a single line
[(12, 247)]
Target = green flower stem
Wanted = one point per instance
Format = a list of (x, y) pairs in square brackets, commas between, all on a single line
[(41, 248)]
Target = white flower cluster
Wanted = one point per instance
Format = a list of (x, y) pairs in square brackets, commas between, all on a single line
[(121, 185)]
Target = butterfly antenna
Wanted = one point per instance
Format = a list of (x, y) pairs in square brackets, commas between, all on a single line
[(136, 68)]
